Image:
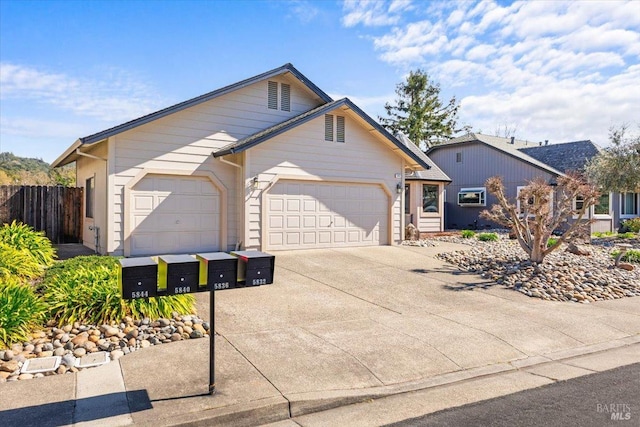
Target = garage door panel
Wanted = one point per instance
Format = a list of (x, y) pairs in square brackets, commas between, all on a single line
[(174, 215), (318, 215)]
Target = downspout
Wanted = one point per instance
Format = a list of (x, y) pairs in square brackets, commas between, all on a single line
[(227, 162), (94, 228)]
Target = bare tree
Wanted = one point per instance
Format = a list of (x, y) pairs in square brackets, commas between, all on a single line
[(506, 131), (541, 213)]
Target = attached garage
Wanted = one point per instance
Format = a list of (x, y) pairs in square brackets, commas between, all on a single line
[(306, 215), (172, 214)]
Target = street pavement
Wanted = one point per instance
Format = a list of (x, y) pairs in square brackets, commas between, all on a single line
[(337, 328)]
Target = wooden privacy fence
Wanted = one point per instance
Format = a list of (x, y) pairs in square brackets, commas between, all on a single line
[(55, 210)]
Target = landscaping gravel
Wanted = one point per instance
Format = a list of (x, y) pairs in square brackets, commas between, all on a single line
[(74, 341), (563, 276)]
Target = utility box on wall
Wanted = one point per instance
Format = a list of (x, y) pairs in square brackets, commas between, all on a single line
[(178, 274), (255, 268), (218, 270), (138, 278)]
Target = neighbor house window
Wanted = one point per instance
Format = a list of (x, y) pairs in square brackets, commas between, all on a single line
[(430, 198), (89, 189), (530, 201), (629, 204), (472, 196), (459, 157), (602, 207), (334, 128)]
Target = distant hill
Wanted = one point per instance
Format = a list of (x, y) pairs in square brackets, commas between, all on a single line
[(16, 170)]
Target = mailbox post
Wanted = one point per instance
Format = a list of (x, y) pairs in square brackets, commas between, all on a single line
[(180, 274)]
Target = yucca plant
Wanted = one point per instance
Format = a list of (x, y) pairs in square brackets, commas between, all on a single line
[(21, 311), (18, 263), (85, 289), (24, 237)]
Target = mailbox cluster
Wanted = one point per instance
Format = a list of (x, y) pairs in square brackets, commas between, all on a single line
[(147, 277)]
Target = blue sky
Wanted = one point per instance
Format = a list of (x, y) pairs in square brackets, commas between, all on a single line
[(548, 69)]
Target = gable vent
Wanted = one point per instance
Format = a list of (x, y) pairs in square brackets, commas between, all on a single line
[(328, 127), (285, 97), (273, 95), (340, 128)]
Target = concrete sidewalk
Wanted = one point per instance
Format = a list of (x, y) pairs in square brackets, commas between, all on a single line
[(336, 328)]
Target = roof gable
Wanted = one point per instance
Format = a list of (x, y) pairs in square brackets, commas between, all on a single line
[(244, 144), (505, 145), (287, 68)]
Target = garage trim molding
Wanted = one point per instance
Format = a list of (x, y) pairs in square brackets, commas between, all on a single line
[(263, 199), (128, 188)]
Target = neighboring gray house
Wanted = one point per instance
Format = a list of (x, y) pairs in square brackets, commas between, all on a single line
[(471, 159)]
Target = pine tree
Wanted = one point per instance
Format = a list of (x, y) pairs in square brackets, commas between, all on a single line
[(419, 113)]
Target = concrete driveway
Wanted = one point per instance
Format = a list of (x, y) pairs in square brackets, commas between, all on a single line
[(338, 327), (367, 321)]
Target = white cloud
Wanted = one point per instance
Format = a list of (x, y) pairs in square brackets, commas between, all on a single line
[(303, 10), (115, 96), (371, 13), (559, 70)]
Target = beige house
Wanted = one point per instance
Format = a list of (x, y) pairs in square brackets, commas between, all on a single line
[(268, 163)]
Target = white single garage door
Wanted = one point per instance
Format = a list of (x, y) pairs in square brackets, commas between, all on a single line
[(174, 214), (304, 215)]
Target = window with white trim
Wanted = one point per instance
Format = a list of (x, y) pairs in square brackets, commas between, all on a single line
[(334, 128), (472, 197), (272, 96), (430, 198), (89, 195), (521, 207), (603, 205), (628, 204)]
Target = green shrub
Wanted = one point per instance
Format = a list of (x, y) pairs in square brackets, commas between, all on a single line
[(632, 255), (467, 234), (21, 311), (85, 289), (552, 241), (18, 263), (487, 237), (627, 235), (632, 225), (24, 237)]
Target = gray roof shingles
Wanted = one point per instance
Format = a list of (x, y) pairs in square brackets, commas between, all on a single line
[(566, 156)]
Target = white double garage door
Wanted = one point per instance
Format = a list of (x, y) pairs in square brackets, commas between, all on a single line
[(172, 214), (325, 215)]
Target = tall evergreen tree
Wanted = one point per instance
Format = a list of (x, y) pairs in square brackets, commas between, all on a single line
[(419, 113), (617, 167)]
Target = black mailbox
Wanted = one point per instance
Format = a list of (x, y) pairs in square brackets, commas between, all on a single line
[(178, 274), (138, 278), (255, 268), (218, 270)]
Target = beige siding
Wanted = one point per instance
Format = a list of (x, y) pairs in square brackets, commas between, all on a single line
[(89, 167), (303, 153), (184, 141), (425, 222)]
